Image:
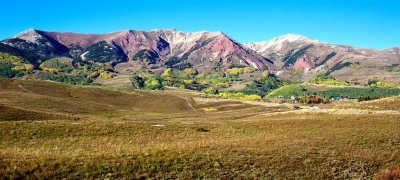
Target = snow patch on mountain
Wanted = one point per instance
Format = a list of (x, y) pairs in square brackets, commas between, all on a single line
[(30, 35), (278, 43), (83, 55)]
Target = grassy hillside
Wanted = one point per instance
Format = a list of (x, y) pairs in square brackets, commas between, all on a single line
[(51, 97), (390, 103), (61, 131), (287, 91), (326, 91)]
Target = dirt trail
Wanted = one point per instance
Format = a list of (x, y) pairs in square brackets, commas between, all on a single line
[(24, 89), (190, 102)]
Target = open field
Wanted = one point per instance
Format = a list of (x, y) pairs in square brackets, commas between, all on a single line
[(59, 131), (390, 103)]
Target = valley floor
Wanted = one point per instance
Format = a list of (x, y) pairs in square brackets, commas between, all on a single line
[(51, 130)]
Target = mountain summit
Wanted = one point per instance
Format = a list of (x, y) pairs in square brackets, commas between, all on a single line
[(280, 43)]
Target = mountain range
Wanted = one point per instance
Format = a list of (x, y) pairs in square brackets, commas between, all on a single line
[(289, 56), (299, 52)]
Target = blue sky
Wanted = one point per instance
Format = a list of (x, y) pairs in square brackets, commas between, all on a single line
[(364, 23)]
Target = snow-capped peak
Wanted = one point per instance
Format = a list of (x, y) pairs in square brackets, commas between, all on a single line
[(30, 35), (292, 38), (279, 42)]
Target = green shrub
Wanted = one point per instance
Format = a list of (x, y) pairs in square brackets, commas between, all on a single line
[(326, 100), (264, 85), (137, 81), (367, 98), (304, 100), (54, 65), (239, 95), (296, 72), (8, 70), (372, 81), (327, 79), (153, 83), (210, 90), (234, 72), (190, 71), (76, 80), (13, 66)]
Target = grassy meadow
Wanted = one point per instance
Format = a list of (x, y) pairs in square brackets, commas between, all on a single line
[(52, 130)]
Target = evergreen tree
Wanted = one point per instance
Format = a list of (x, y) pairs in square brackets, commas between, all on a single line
[(137, 81)]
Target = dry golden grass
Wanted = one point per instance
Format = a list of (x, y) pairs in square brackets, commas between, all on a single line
[(320, 146), (60, 98), (235, 140), (389, 103), (13, 114)]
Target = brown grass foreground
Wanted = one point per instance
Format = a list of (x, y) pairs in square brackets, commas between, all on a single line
[(73, 132)]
